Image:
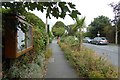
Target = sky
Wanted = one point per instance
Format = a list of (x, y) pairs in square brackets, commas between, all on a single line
[(88, 8)]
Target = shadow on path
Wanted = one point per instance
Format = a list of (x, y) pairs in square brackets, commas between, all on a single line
[(58, 66)]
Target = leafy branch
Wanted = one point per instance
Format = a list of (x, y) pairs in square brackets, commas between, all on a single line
[(56, 9)]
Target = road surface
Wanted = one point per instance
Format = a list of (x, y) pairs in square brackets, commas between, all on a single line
[(109, 51)]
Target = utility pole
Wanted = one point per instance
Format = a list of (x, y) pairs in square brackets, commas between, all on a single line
[(116, 29), (46, 23), (116, 34), (47, 27)]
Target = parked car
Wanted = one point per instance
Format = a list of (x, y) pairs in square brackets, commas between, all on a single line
[(87, 40), (91, 41), (99, 40)]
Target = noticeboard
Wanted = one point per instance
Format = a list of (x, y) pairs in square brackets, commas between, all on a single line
[(17, 42)]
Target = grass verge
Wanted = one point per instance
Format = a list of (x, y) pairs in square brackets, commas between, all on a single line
[(88, 64)]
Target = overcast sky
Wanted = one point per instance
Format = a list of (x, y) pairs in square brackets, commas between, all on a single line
[(88, 8)]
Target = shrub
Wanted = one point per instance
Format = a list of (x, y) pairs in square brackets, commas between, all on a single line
[(24, 68), (70, 40), (40, 40), (30, 70)]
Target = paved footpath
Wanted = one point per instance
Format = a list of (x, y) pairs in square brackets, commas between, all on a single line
[(58, 66)]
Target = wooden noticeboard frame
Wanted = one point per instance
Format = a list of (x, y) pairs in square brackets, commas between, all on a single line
[(11, 34)]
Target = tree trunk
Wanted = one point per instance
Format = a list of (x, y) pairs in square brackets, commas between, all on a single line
[(47, 28)]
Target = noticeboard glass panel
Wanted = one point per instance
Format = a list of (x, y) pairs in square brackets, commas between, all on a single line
[(29, 35), (20, 40)]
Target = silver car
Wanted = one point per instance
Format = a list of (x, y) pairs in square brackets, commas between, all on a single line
[(87, 40), (100, 40)]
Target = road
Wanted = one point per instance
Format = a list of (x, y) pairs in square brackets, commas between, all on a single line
[(109, 51)]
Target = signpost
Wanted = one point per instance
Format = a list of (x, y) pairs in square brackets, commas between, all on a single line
[(98, 34)]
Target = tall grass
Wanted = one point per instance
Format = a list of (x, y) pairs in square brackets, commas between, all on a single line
[(48, 53)]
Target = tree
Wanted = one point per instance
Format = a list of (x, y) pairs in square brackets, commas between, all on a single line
[(116, 21), (88, 32), (70, 30), (109, 31), (73, 28), (56, 9), (58, 28), (98, 24), (80, 25)]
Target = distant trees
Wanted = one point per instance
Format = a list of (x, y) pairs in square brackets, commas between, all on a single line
[(109, 31), (58, 29), (98, 24), (103, 25), (70, 30)]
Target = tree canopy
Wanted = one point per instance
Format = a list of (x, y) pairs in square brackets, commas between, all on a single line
[(56, 9), (98, 24), (116, 10), (58, 28)]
